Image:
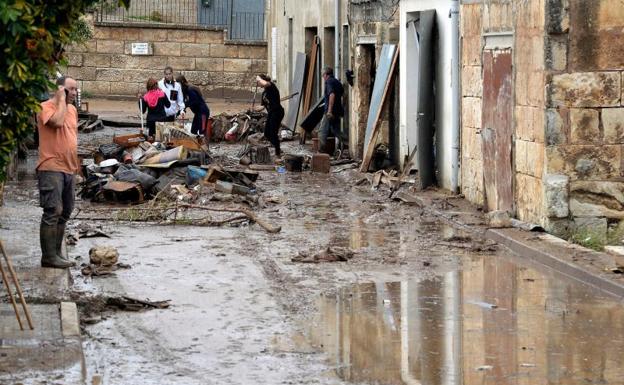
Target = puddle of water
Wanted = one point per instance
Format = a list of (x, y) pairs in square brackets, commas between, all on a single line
[(494, 322)]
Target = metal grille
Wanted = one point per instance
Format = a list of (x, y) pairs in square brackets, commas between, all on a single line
[(200, 13)]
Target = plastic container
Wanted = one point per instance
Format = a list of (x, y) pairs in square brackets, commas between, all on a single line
[(194, 174)]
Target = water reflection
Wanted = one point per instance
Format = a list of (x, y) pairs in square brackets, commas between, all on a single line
[(492, 323)]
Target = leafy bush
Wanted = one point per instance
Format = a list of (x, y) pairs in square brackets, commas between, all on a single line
[(32, 39)]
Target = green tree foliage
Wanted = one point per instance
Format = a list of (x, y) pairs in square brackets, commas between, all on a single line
[(31, 45)]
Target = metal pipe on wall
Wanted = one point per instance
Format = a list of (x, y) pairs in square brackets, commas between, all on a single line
[(456, 95), (337, 33)]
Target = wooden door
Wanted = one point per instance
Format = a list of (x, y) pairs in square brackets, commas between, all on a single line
[(497, 129)]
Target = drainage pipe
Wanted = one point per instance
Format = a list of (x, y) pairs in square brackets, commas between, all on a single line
[(456, 91), (337, 40)]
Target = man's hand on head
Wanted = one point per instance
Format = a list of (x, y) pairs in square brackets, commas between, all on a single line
[(60, 95)]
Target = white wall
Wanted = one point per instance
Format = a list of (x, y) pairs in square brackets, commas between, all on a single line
[(443, 85)]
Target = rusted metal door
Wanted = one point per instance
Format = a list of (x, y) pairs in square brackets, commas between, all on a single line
[(497, 132)]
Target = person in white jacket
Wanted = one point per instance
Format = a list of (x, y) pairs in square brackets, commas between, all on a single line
[(173, 90)]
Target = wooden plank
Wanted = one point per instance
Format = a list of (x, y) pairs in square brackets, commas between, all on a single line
[(307, 96), (383, 82), (296, 90)]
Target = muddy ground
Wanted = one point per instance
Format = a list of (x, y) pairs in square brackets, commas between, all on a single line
[(418, 301)]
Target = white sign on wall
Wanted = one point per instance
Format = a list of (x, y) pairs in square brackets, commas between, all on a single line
[(274, 38), (141, 49)]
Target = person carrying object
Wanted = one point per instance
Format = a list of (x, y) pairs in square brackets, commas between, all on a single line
[(333, 108), (173, 90), (57, 124), (194, 100), (271, 101), (155, 103)]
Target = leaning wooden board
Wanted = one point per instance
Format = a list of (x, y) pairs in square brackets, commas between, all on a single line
[(383, 80), (296, 90)]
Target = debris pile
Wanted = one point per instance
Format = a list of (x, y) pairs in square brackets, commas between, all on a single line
[(236, 127)]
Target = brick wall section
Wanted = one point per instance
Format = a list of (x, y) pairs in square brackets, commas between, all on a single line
[(472, 95), (585, 116), (104, 66)]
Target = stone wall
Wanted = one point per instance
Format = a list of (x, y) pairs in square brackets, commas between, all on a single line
[(523, 22), (104, 66), (585, 115)]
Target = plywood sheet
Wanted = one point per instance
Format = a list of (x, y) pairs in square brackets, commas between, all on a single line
[(297, 89)]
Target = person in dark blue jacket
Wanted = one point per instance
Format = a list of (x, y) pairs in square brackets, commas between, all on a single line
[(194, 100)]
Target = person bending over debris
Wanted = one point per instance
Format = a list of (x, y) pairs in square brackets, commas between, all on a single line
[(194, 100), (271, 101), (57, 124), (333, 108), (154, 102), (173, 90)]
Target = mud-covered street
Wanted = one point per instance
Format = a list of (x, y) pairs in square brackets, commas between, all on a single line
[(415, 300)]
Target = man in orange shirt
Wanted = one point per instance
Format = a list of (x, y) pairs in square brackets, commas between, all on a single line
[(57, 124)]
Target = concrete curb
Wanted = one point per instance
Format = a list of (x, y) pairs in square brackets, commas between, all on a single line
[(550, 259)]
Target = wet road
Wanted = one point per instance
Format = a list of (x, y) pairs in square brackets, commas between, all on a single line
[(419, 303)]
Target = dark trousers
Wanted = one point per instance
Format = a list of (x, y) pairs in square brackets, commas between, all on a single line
[(198, 127), (329, 126), (271, 130), (56, 196), (151, 128)]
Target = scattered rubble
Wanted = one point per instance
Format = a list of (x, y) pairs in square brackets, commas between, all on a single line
[(330, 254)]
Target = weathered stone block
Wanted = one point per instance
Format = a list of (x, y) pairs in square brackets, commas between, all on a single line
[(561, 227), (204, 78), (522, 88), (96, 87), (471, 50), (125, 34), (110, 46), (471, 112), (154, 34), (585, 89), (556, 196), (181, 63), (591, 227), (106, 74), (613, 124), (535, 159), (558, 18), (237, 65), (74, 59), (126, 88), (182, 35), (472, 81), (252, 52), (89, 46), (209, 37), (209, 64), (556, 126), (195, 50), (225, 51), (82, 73), (259, 66), (102, 33), (471, 20), (141, 76), (584, 161), (584, 126), (595, 35), (556, 53), (166, 49), (97, 60), (521, 156), (536, 89), (529, 191), (597, 199)]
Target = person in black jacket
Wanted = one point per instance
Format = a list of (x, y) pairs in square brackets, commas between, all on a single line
[(154, 102), (271, 101), (194, 100)]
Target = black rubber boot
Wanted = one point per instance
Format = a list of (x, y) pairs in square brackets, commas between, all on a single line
[(60, 238), (47, 237)]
